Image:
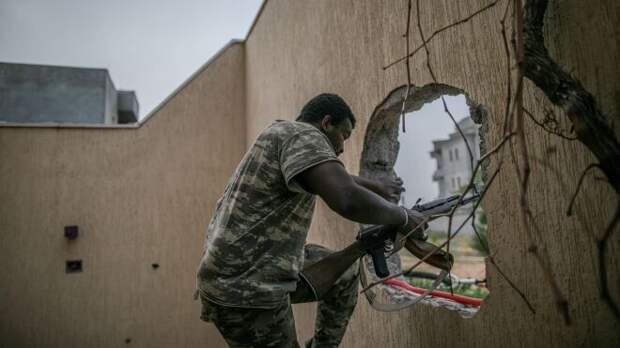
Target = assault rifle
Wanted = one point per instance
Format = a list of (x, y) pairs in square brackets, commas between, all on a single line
[(322, 275)]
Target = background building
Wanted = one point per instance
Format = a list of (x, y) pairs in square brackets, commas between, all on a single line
[(454, 169), (53, 94), (454, 164)]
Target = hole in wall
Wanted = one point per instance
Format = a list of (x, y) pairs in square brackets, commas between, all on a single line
[(71, 232), (432, 159), (73, 266)]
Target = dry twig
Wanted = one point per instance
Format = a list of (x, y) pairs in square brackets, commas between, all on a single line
[(569, 210), (540, 253), (533, 62), (602, 246), (491, 152), (549, 124), (508, 71), (380, 281), (452, 25), (592, 127), (507, 134), (402, 110)]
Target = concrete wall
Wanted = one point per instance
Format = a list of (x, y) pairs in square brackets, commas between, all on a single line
[(301, 48), (140, 195)]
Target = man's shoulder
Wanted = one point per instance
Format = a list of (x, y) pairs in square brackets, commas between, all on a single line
[(289, 128), (291, 137)]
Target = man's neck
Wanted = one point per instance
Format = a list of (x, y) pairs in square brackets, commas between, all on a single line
[(315, 125)]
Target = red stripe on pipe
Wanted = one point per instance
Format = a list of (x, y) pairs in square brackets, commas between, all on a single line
[(436, 293)]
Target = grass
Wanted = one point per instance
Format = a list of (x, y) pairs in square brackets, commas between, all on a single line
[(470, 290), (468, 259)]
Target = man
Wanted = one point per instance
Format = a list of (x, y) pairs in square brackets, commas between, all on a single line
[(249, 274)]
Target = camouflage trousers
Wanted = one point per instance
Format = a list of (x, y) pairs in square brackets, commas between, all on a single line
[(275, 327)]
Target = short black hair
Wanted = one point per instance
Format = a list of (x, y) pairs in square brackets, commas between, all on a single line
[(326, 104)]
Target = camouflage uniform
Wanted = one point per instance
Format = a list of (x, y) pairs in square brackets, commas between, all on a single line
[(249, 327), (249, 273)]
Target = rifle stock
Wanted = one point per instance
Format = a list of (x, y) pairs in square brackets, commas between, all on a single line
[(323, 274)]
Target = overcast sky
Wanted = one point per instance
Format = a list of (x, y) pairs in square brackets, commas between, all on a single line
[(147, 46), (414, 163)]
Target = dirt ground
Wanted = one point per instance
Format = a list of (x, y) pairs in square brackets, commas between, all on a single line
[(469, 263)]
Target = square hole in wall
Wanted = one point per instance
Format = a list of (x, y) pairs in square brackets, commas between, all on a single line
[(73, 266), (71, 232)]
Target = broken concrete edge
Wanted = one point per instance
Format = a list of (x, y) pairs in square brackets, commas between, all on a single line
[(381, 146), (384, 122), (136, 125)]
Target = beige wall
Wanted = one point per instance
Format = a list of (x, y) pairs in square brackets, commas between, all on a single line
[(140, 196), (301, 48), (145, 195)]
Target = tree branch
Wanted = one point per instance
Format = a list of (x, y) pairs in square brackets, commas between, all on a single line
[(590, 124), (569, 210), (592, 127), (451, 25)]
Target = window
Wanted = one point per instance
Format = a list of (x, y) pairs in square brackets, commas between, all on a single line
[(450, 153), (456, 154)]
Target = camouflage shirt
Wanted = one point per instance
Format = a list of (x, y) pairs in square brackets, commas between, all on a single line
[(254, 247)]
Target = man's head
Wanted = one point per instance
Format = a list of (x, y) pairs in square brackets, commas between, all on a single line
[(330, 114)]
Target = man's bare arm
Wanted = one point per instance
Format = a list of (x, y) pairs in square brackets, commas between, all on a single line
[(345, 196)]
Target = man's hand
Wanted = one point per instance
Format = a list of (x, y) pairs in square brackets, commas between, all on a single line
[(391, 189)]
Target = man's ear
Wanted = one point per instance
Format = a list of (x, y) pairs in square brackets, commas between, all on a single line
[(326, 122)]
